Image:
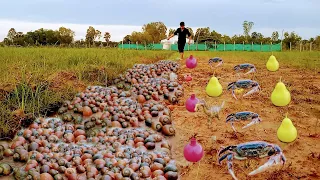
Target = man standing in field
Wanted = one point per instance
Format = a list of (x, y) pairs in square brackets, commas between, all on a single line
[(182, 33)]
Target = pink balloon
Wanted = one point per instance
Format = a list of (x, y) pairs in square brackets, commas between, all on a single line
[(191, 103), (191, 62), (193, 152)]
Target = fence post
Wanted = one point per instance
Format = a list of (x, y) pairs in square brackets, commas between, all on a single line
[(243, 45), (122, 44), (300, 46), (252, 46), (215, 46), (197, 46), (261, 47), (152, 45), (224, 46), (290, 46), (310, 46), (271, 46), (234, 45), (129, 44), (145, 46), (188, 47), (137, 45), (205, 46)]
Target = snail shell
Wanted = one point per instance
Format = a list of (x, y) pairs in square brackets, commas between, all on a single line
[(5, 169), (156, 125), (168, 130), (165, 120)]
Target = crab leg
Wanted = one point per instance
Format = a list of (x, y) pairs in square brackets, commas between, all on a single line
[(219, 64), (274, 160), (234, 95), (234, 129), (254, 121), (230, 166), (253, 90), (251, 71)]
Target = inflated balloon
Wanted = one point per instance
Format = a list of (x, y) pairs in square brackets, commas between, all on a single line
[(272, 64), (214, 88), (287, 132), (191, 103), (280, 96), (191, 62), (193, 152)]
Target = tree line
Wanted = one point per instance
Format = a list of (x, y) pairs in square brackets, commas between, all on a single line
[(153, 32), (61, 37)]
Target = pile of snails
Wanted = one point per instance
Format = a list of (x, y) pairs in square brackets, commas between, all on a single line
[(129, 105), (54, 149), (113, 132)]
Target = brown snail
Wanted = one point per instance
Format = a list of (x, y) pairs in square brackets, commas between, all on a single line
[(20, 155), (168, 130), (5, 169), (164, 119)]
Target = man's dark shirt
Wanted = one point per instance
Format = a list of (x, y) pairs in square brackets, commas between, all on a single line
[(182, 35)]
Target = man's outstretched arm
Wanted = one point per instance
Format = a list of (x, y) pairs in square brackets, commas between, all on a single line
[(175, 33)]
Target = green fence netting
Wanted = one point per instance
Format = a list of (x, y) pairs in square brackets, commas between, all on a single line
[(207, 47)]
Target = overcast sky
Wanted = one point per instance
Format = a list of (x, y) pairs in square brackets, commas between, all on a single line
[(121, 17)]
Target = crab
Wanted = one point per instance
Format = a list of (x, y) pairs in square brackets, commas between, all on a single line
[(244, 67), (215, 60), (254, 149), (244, 115), (244, 84), (212, 112)]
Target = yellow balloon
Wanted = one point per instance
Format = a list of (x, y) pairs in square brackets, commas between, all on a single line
[(214, 88), (287, 132), (280, 95), (272, 64)]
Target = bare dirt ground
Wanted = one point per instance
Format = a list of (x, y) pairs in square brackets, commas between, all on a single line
[(303, 155)]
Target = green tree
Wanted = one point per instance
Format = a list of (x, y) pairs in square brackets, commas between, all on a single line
[(171, 31), (98, 35), (275, 37), (154, 32), (202, 34), (65, 35), (107, 37), (247, 26), (293, 38), (92, 35), (191, 31), (126, 39), (11, 34), (215, 37)]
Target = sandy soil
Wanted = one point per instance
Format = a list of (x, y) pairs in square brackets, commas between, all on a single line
[(303, 155)]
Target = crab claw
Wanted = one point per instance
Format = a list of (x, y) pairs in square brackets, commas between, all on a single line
[(254, 121), (253, 90), (274, 160)]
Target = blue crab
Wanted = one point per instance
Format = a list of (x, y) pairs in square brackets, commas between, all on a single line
[(215, 60), (254, 149), (244, 67), (244, 115), (244, 84)]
